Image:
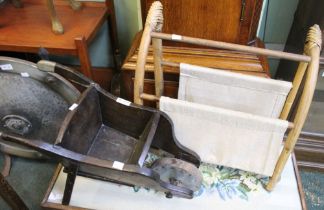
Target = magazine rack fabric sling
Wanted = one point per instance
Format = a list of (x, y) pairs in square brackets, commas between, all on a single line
[(303, 83)]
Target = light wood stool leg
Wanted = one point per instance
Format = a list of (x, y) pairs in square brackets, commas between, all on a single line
[(57, 26)]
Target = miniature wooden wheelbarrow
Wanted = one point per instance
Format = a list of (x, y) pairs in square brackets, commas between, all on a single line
[(108, 138)]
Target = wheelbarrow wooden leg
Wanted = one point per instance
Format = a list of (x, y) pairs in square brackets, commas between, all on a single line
[(56, 24), (71, 175), (10, 195)]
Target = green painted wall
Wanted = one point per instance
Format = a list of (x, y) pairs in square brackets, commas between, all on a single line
[(128, 24)]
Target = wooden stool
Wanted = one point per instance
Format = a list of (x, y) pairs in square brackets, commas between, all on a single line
[(31, 31)]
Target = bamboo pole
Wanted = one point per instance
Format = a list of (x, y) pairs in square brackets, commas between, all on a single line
[(293, 93), (149, 97), (154, 22), (312, 48), (140, 66), (230, 46), (158, 70)]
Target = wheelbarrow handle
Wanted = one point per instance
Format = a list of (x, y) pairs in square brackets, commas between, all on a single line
[(66, 72), (57, 151), (41, 146)]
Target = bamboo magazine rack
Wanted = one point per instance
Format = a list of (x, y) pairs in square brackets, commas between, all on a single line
[(303, 83)]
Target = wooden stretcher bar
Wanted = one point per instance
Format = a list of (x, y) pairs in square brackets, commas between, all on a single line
[(230, 46)]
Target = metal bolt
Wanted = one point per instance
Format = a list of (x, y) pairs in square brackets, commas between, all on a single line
[(168, 195)]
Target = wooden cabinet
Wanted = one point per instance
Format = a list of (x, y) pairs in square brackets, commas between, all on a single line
[(233, 21)]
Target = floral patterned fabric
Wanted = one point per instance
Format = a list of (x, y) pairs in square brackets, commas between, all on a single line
[(221, 190), (227, 183)]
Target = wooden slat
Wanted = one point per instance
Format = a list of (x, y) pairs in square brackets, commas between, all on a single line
[(175, 70), (149, 97), (208, 60), (206, 52)]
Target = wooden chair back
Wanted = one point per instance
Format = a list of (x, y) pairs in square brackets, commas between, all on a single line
[(307, 72)]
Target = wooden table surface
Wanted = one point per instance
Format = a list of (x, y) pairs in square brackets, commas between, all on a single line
[(29, 28)]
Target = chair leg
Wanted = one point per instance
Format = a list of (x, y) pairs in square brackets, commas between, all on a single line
[(71, 175), (57, 26)]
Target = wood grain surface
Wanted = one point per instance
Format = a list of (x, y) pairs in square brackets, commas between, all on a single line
[(220, 20), (29, 28)]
